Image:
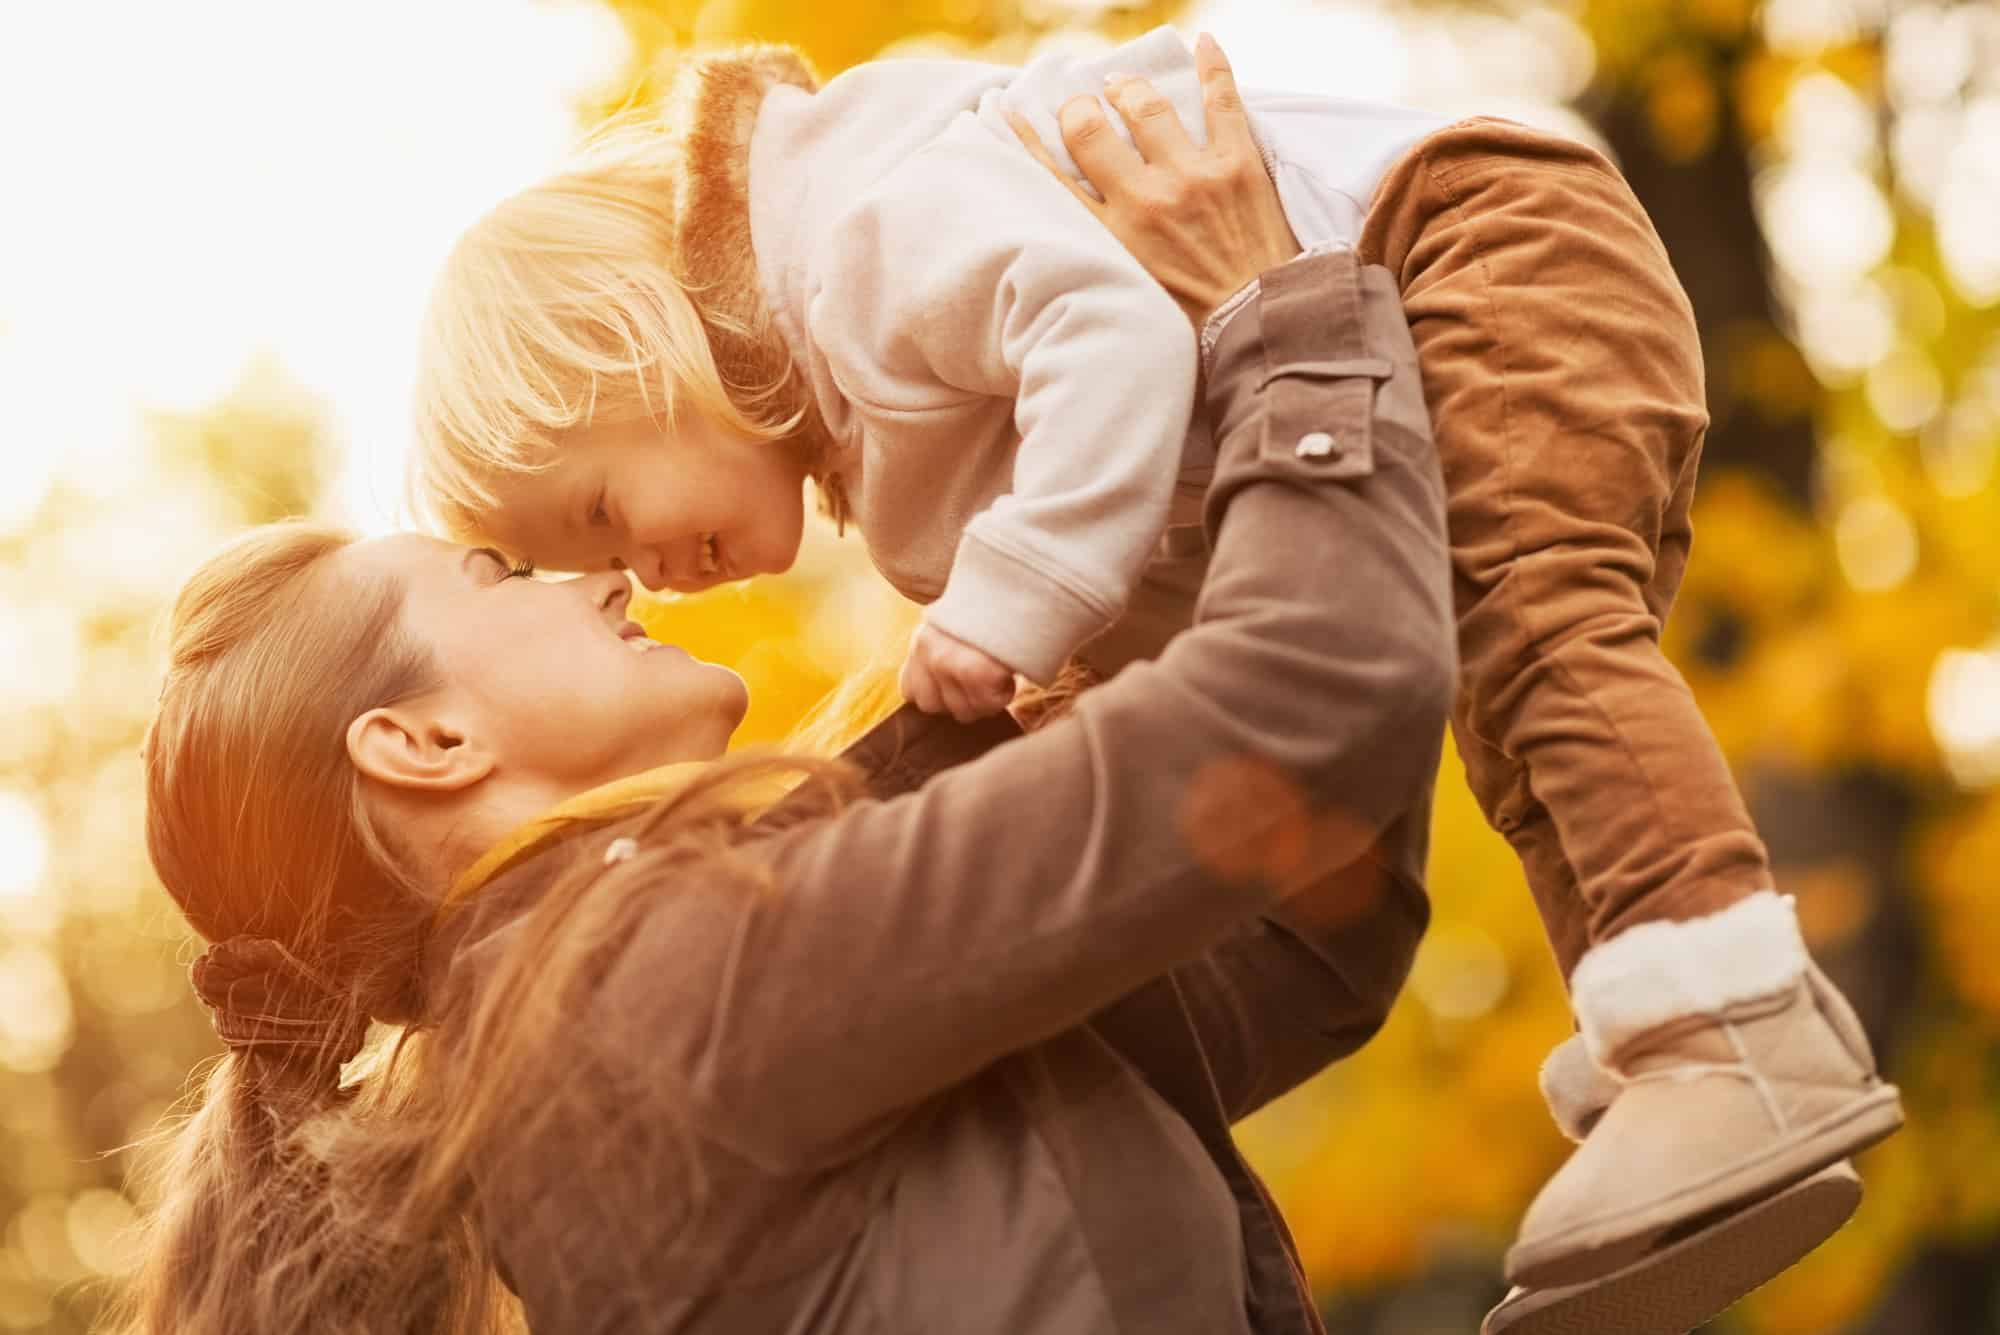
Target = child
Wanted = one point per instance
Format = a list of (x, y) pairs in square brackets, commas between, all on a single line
[(871, 284)]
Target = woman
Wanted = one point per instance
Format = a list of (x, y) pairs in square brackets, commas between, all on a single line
[(680, 1057)]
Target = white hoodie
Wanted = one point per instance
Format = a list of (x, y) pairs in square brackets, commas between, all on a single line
[(1010, 392)]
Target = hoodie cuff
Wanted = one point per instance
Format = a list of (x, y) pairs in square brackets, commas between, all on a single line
[(1009, 607)]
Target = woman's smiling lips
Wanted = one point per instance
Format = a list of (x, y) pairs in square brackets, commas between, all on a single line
[(636, 639), (639, 642)]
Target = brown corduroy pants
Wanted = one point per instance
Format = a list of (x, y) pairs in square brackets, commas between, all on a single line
[(1563, 374)]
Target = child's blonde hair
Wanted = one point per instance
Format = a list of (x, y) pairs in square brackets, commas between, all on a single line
[(566, 306)]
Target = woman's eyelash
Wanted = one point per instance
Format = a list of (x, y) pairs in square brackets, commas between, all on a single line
[(520, 570)]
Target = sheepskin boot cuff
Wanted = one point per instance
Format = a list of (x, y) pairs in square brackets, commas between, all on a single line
[(1658, 972)]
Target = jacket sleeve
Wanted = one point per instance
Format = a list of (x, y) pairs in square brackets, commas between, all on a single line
[(969, 271), (906, 944), (1297, 989)]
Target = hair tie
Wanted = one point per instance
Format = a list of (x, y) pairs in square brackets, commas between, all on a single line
[(263, 998)]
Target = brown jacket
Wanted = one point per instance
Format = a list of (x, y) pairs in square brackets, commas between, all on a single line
[(969, 1066)]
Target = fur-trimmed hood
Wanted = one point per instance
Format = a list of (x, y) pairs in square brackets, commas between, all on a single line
[(712, 102)]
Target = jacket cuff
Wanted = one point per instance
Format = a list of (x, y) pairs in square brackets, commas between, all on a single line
[(1289, 359), (1219, 318), (1011, 608)]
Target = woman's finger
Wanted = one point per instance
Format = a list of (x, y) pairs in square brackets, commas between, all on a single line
[(1112, 165), (1156, 130), (1228, 123), (1024, 130)]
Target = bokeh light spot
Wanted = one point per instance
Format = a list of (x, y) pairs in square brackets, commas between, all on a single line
[(36, 1022), (1928, 52), (103, 1231), (1806, 27), (1460, 972), (1905, 390), (41, 1233), (1827, 220), (1876, 542), (41, 654), (1823, 115), (24, 847), (1958, 449), (1964, 708), (1968, 206), (1846, 330)]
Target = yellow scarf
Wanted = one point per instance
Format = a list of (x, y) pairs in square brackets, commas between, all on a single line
[(601, 806)]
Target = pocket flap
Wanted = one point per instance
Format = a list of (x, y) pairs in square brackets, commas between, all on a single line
[(1319, 381)]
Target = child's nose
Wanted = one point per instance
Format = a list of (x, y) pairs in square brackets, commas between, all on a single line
[(651, 569)]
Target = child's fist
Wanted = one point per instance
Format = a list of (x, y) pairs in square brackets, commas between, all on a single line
[(943, 674)]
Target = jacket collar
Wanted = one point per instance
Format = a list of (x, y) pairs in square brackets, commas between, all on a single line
[(589, 810)]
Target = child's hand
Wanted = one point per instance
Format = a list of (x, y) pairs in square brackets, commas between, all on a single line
[(943, 674)]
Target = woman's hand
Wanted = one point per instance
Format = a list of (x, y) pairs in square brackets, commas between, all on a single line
[(1204, 221)]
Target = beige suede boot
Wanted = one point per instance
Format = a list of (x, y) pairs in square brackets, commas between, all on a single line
[(1695, 1277), (1743, 1072)]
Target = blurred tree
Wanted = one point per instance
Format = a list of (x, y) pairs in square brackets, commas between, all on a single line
[(1781, 149), (1824, 173), (97, 1030)]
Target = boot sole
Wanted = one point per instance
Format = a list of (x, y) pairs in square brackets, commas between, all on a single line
[(1688, 1282), (1597, 1247)]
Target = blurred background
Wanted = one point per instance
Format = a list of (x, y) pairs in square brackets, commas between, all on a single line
[(219, 226)]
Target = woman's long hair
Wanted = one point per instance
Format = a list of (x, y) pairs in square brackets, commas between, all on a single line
[(287, 1199)]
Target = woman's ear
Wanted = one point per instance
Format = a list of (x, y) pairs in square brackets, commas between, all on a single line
[(407, 747)]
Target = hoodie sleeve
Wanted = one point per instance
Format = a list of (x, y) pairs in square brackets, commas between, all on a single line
[(969, 273)]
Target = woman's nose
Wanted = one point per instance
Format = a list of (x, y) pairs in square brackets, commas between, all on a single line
[(610, 590)]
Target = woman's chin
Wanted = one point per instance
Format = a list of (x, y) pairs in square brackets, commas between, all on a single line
[(724, 698), (735, 694)]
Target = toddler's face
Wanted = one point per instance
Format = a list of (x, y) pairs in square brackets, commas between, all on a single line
[(683, 509)]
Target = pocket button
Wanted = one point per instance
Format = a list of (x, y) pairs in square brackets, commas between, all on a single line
[(1314, 445)]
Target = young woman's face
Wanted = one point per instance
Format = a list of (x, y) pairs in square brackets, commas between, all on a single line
[(685, 508), (550, 676)]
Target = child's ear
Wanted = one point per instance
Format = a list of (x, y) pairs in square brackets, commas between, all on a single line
[(415, 749)]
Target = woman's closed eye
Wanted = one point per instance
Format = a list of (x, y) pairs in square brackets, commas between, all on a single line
[(508, 569)]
